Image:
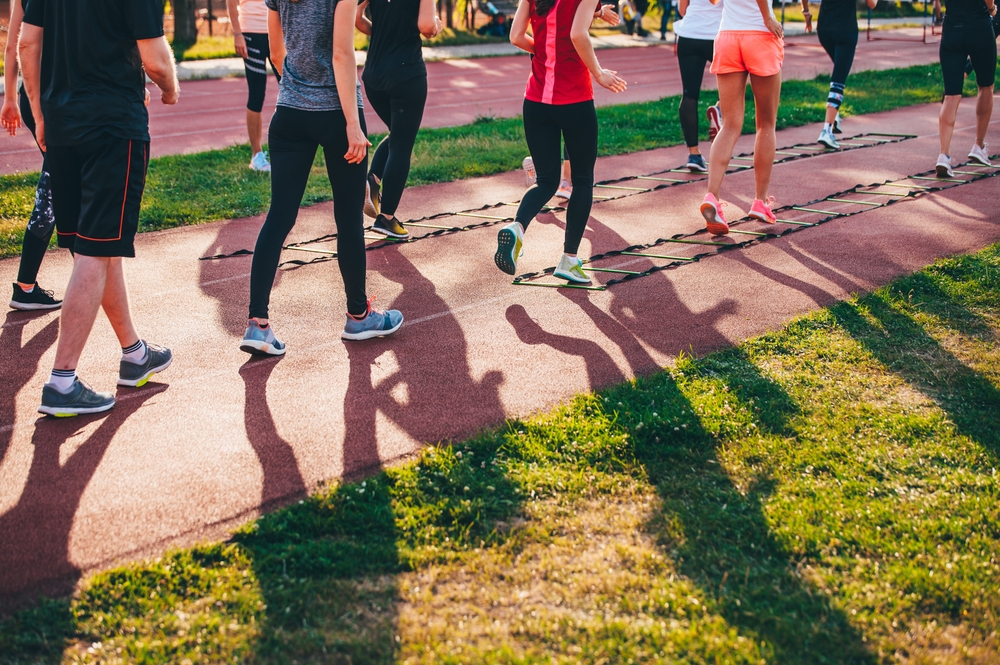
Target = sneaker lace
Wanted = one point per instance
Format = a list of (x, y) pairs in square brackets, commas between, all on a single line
[(769, 202), (48, 292), (372, 310)]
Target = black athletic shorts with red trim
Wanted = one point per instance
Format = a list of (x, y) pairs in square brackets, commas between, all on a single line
[(97, 189)]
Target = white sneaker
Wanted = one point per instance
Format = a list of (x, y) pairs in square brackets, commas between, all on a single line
[(260, 163), (565, 190), (827, 138), (943, 167), (977, 155), (528, 166), (570, 268)]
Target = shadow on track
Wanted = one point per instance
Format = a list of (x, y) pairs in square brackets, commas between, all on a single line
[(15, 375)]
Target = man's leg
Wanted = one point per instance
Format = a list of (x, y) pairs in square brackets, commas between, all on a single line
[(83, 298), (115, 304)]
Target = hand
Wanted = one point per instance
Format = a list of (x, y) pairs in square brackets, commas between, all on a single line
[(438, 26), (145, 101), (10, 116), (609, 79), (357, 144), (809, 21), (240, 43), (170, 97), (774, 27), (610, 16)]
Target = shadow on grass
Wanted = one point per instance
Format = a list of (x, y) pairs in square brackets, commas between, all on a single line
[(881, 324), (717, 533)]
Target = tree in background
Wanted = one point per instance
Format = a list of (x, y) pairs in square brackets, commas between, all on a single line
[(185, 27)]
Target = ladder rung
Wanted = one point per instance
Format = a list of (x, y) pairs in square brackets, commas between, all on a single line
[(634, 189), (559, 286), (660, 256), (864, 203), (615, 270), (816, 210), (314, 251)]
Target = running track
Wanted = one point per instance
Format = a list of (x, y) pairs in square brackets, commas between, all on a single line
[(211, 113), (218, 437)]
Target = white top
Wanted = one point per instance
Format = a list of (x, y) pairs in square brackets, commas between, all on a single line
[(253, 16), (743, 15), (701, 20)]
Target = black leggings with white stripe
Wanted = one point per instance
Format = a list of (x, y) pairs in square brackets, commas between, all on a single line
[(259, 52)]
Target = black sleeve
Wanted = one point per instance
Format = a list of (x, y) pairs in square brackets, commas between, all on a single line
[(144, 18), (34, 13)]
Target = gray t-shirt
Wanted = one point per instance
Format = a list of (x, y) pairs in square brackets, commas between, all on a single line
[(307, 80)]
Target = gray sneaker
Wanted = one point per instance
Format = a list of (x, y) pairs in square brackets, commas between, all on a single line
[(135, 375), (261, 341), (376, 324), (79, 400), (827, 139)]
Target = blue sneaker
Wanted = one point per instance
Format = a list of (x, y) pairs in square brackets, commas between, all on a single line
[(261, 341), (79, 400), (136, 375), (377, 323)]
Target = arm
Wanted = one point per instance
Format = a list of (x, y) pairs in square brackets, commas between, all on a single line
[(871, 3), (769, 22), (580, 34), (30, 50), (682, 6), (607, 14), (276, 40), (233, 7), (10, 115), (519, 36), (345, 73), (428, 22), (361, 22), (807, 14), (158, 61)]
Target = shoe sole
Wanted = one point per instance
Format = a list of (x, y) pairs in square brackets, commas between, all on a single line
[(714, 225), (32, 306), (828, 145), (761, 218), (387, 232), (943, 172), (714, 123), (255, 348), (570, 278), (563, 195), (529, 178), (370, 334), (370, 209), (506, 242), (69, 412), (695, 168), (141, 381), (979, 162), (372, 205)]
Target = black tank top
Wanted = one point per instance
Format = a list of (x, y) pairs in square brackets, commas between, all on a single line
[(394, 54), (961, 11), (838, 15)]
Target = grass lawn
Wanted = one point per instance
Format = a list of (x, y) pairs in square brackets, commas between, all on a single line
[(827, 493), (191, 189)]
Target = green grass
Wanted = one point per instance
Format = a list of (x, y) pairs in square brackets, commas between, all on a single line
[(191, 189), (206, 48), (827, 493)]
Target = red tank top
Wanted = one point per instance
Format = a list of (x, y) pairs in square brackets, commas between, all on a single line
[(558, 75)]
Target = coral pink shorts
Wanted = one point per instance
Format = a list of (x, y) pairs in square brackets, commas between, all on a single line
[(754, 51)]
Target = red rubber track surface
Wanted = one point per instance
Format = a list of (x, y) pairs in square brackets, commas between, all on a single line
[(218, 437), (211, 114)]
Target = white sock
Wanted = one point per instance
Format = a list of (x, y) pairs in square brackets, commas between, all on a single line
[(827, 127), (62, 379), (135, 353)]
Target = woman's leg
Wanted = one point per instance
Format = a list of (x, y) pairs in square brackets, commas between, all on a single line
[(543, 137), (692, 67), (407, 109), (579, 127), (766, 96), (984, 111), (256, 73), (843, 59), (732, 91), (348, 182), (41, 224), (380, 101), (983, 57), (293, 149), (953, 54)]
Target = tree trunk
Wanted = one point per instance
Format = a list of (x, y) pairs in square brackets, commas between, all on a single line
[(449, 8), (185, 27)]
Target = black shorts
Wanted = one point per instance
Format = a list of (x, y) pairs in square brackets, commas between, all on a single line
[(96, 193), (971, 39)]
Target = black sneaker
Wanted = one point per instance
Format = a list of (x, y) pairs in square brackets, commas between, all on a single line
[(373, 200), (389, 227), (136, 375), (696, 164), (39, 298), (79, 400)]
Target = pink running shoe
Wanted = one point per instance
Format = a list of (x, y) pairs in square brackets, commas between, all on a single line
[(711, 210), (761, 210), (714, 114)]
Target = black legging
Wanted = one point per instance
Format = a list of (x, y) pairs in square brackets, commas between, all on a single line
[(543, 124), (42, 222), (840, 43), (692, 56), (400, 108), (258, 50), (293, 138)]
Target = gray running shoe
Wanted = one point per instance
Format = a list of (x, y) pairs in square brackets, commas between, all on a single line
[(377, 323), (135, 375), (261, 341), (79, 400), (827, 139)]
